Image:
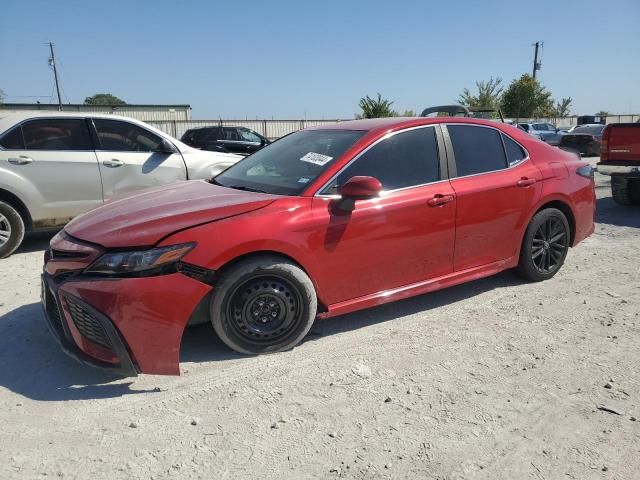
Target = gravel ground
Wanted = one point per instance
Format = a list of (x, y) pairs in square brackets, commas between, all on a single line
[(495, 379)]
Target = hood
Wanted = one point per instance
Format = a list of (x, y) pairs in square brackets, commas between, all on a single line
[(144, 218)]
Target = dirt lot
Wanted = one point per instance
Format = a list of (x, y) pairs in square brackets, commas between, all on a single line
[(496, 379)]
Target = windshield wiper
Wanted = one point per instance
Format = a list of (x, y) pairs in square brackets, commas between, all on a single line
[(246, 189)]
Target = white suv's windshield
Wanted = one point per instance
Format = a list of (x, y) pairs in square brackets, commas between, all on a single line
[(289, 165)]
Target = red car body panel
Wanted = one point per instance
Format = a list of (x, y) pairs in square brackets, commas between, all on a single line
[(391, 247)]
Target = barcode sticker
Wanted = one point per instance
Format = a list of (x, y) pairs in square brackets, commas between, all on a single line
[(316, 158)]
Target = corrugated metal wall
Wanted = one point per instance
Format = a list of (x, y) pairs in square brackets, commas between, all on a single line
[(273, 129), (268, 128)]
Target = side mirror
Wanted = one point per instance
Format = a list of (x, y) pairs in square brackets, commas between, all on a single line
[(165, 146), (357, 188)]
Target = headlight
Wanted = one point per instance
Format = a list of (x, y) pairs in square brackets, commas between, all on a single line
[(139, 262)]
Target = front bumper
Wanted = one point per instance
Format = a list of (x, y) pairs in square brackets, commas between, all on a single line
[(606, 168), (127, 325)]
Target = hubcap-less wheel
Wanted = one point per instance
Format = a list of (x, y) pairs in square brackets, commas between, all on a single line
[(549, 245), (264, 309), (5, 230)]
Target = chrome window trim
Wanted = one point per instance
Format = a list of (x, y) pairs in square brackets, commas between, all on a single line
[(525, 159), (381, 139)]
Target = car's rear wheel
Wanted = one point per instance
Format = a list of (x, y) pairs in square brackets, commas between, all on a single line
[(263, 304), (625, 191), (11, 229), (545, 245)]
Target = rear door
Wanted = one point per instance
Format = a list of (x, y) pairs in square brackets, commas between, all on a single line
[(59, 168), (496, 187), (129, 160)]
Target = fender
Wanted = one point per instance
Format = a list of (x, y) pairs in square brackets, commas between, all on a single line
[(23, 190)]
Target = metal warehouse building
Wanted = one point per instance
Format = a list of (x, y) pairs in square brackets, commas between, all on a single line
[(146, 113)]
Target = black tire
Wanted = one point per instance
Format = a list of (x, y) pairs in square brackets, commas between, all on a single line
[(545, 245), (11, 229), (633, 189), (622, 190), (262, 305)]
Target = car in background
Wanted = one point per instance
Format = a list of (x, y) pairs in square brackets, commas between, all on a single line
[(584, 139), (238, 140), (543, 131), (54, 166), (325, 221), (620, 158)]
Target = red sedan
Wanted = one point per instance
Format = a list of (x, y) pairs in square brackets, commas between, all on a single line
[(322, 222)]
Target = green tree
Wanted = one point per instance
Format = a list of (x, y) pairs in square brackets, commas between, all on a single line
[(375, 108), (562, 108), (603, 113), (409, 113), (104, 99), (526, 97), (488, 96)]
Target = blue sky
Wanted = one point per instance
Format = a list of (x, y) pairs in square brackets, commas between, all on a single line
[(294, 59)]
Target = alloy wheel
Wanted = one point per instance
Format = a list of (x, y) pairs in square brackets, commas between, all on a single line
[(549, 245), (5, 230)]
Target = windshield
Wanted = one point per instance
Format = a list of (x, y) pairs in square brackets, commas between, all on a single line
[(288, 165), (591, 130)]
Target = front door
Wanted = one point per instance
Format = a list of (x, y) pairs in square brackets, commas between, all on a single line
[(496, 188), (398, 239), (129, 158)]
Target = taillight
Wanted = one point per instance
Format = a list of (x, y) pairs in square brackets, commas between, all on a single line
[(604, 145)]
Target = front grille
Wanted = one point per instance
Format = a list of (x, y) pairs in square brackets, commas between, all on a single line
[(87, 324), (52, 310)]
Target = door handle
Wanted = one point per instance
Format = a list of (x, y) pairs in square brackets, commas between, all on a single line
[(114, 162), (526, 182), (21, 160), (439, 199)]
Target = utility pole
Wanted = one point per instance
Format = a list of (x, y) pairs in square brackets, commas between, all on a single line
[(536, 65), (52, 63)]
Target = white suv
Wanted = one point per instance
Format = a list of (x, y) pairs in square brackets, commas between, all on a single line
[(55, 166)]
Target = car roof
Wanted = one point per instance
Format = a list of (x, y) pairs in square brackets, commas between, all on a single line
[(8, 118), (396, 123)]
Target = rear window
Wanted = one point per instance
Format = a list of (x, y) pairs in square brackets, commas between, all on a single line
[(476, 149), (590, 130), (515, 152)]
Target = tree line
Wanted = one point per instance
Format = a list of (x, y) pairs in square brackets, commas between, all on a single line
[(524, 97)]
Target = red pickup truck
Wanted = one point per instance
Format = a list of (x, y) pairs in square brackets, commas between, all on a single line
[(620, 158)]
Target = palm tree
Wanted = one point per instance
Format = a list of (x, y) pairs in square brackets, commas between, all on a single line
[(375, 108)]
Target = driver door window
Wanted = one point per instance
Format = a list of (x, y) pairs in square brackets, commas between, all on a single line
[(406, 159), (114, 135)]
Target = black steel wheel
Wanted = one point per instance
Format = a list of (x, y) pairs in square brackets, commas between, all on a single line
[(545, 245), (265, 304)]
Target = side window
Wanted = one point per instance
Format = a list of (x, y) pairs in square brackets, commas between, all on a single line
[(12, 140), (56, 134), (125, 136), (403, 160), (476, 149), (230, 134), (515, 153), (249, 136)]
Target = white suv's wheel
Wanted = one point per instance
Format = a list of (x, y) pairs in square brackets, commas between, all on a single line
[(11, 229)]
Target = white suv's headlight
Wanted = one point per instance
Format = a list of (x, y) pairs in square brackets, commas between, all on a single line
[(139, 262)]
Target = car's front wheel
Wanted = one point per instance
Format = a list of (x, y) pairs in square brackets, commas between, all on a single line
[(11, 229), (263, 304), (545, 245)]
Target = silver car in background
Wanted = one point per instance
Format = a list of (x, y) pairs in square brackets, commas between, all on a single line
[(55, 166)]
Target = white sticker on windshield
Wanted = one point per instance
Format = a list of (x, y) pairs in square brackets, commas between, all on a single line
[(316, 158), (303, 180)]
